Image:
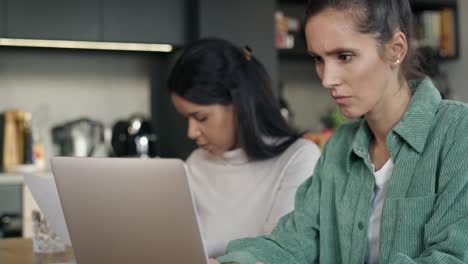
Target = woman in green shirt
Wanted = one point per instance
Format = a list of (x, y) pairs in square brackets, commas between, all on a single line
[(391, 186)]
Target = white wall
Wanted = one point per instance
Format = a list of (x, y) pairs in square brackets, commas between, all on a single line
[(457, 70), (61, 85)]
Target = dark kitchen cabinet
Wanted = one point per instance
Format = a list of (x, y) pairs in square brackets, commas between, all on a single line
[(2, 18), (52, 19), (243, 22), (144, 21)]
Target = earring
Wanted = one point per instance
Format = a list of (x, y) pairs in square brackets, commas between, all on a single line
[(397, 62)]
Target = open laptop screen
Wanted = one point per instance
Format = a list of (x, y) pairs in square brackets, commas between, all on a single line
[(126, 210)]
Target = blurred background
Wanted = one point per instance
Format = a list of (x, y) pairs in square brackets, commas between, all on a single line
[(88, 78)]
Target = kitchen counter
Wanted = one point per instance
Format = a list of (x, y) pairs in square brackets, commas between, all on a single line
[(20, 251), (16, 178), (11, 179)]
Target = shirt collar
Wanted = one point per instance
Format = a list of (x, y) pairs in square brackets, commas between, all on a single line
[(415, 123), (234, 157)]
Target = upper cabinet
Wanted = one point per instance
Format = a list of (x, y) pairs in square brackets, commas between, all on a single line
[(244, 22), (2, 12), (52, 19), (140, 21), (144, 21)]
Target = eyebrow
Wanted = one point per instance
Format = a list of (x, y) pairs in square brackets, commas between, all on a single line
[(194, 114), (334, 51)]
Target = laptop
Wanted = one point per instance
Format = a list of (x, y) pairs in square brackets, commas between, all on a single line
[(127, 210)]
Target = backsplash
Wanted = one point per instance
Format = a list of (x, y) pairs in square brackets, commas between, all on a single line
[(60, 85)]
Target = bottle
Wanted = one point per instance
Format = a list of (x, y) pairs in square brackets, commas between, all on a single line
[(38, 151)]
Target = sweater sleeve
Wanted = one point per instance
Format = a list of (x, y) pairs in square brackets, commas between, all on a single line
[(298, 169), (294, 240), (446, 232)]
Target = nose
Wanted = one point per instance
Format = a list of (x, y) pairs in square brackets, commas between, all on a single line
[(192, 131), (329, 75)]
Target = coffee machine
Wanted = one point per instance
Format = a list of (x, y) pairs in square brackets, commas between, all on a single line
[(134, 137), (78, 138)]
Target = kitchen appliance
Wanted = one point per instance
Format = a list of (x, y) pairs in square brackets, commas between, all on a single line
[(10, 225), (79, 138), (10, 210), (134, 137)]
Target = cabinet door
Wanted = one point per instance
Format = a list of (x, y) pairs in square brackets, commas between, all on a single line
[(2, 18), (149, 21), (53, 19), (244, 22)]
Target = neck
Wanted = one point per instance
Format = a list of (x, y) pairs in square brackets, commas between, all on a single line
[(389, 111)]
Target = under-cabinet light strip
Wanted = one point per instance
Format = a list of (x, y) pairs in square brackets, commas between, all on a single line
[(68, 44)]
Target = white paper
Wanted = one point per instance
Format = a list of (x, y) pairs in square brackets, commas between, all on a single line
[(45, 193)]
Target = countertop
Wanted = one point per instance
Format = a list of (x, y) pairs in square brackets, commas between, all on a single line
[(20, 251)]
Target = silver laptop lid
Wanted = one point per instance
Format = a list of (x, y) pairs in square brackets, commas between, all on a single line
[(122, 210)]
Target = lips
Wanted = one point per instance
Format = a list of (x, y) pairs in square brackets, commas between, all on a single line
[(341, 99), (204, 146)]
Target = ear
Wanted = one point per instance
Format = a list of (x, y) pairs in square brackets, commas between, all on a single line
[(397, 48)]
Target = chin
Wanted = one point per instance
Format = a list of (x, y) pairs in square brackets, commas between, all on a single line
[(351, 114), (216, 153)]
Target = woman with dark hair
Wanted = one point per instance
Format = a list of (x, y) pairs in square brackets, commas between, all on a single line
[(391, 186), (249, 162)]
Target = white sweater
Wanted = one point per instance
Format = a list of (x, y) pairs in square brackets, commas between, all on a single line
[(236, 198)]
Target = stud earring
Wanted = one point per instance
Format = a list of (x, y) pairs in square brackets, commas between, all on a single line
[(397, 62)]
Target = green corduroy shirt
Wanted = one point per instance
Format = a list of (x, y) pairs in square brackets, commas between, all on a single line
[(425, 212)]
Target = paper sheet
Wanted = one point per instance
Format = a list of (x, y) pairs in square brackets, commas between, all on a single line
[(45, 193)]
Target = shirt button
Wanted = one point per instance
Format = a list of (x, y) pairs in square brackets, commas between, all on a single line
[(360, 225)]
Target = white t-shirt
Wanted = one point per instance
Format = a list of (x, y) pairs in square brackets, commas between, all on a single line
[(382, 179), (236, 198)]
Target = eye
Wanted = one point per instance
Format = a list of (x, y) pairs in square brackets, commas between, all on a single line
[(317, 59), (345, 57), (201, 118)]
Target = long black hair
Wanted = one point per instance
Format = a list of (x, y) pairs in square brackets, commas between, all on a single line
[(215, 71), (380, 18)]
